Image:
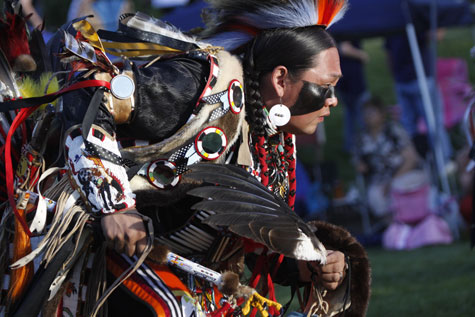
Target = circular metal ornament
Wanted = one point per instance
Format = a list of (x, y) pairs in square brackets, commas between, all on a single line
[(122, 87), (236, 96), (210, 143), (162, 174), (279, 115)]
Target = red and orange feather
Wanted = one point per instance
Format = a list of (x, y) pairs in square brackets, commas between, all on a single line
[(327, 10)]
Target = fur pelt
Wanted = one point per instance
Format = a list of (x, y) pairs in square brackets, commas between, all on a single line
[(229, 68), (338, 238)]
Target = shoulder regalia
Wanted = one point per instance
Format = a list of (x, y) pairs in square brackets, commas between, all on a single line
[(151, 119)]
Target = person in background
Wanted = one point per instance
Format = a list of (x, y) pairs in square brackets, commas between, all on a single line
[(409, 94), (352, 89), (384, 152), (106, 12)]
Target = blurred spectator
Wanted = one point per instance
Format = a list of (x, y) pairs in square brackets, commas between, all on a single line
[(352, 89), (408, 91), (384, 152), (106, 12), (398, 189)]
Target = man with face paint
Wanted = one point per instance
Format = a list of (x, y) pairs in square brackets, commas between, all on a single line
[(311, 98), (308, 97), (178, 112)]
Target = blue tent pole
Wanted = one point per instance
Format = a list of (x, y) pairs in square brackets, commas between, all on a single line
[(426, 99)]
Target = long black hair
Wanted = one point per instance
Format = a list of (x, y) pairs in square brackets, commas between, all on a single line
[(294, 48)]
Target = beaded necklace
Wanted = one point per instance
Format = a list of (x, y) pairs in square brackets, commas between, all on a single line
[(274, 161)]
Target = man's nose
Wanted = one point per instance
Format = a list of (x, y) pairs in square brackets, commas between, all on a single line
[(331, 102)]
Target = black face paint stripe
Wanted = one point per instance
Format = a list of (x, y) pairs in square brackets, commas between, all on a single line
[(311, 98)]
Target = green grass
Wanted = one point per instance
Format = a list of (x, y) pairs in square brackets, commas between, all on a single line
[(431, 281)]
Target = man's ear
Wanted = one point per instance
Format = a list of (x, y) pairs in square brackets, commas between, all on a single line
[(278, 78)]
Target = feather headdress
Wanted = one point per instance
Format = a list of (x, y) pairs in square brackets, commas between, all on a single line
[(237, 21)]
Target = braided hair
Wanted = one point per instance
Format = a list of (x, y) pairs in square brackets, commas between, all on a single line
[(296, 49)]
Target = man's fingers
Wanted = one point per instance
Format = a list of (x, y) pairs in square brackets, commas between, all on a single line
[(331, 281), (119, 244), (333, 268), (141, 245), (129, 245), (331, 277), (335, 257), (125, 233)]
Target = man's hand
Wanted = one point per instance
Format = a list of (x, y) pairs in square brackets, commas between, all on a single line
[(125, 233), (329, 275)]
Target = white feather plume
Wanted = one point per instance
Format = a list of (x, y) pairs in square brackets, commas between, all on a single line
[(262, 14), (144, 22)]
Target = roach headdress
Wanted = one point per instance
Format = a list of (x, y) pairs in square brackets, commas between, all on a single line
[(231, 23)]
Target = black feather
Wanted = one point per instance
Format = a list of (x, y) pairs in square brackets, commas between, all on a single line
[(284, 240), (232, 182), (211, 170), (246, 207), (39, 52), (235, 171), (244, 231), (264, 234), (220, 193), (229, 219), (225, 206)]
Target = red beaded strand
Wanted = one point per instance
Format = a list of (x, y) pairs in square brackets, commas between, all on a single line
[(289, 150), (262, 154)]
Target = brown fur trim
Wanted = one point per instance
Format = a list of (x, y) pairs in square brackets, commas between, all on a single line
[(229, 283), (24, 63), (244, 291), (337, 238), (159, 254)]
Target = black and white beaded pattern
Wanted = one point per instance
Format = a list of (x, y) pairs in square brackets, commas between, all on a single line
[(180, 153), (181, 157), (218, 113), (214, 98), (107, 155)]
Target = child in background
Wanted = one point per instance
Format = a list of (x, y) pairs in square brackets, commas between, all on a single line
[(384, 152)]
